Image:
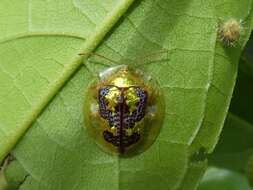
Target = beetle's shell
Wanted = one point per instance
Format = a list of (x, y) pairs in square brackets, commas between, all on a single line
[(124, 110)]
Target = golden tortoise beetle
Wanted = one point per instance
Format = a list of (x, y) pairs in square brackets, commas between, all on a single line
[(124, 110)]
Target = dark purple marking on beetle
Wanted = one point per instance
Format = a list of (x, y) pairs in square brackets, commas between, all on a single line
[(122, 119)]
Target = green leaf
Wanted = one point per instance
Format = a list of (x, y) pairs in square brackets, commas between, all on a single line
[(3, 183), (222, 179), (235, 146), (45, 39), (43, 82)]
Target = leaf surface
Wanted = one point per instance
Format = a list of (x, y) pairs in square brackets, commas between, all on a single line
[(44, 82), (223, 179)]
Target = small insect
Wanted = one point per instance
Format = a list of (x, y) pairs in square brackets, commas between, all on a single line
[(124, 110), (230, 32)]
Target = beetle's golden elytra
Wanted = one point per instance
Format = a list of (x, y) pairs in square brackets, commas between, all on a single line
[(124, 110)]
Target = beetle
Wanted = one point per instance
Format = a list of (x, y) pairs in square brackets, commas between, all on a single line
[(123, 110)]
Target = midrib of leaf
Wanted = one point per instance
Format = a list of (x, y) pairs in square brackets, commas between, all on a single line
[(91, 43)]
